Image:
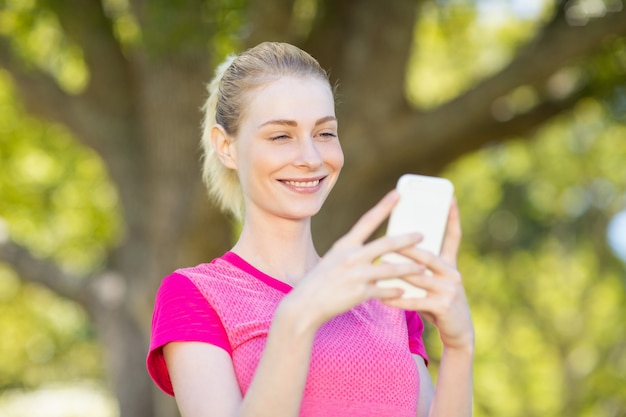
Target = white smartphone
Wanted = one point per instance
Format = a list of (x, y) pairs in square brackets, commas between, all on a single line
[(423, 207)]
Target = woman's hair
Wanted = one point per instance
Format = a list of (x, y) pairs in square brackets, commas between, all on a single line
[(228, 96)]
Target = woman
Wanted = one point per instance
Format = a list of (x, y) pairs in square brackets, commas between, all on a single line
[(273, 329)]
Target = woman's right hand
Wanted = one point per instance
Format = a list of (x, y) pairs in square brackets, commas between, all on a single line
[(347, 274)]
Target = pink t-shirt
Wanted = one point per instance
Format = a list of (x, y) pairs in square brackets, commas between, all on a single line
[(361, 362)]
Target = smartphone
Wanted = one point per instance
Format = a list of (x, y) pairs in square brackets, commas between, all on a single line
[(423, 207)]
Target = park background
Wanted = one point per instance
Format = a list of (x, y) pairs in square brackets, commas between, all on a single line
[(521, 103)]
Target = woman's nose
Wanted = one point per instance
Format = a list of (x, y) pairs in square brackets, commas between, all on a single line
[(309, 155)]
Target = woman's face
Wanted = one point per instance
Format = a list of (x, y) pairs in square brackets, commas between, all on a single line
[(287, 151)]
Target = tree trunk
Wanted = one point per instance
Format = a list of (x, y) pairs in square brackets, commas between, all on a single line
[(140, 112)]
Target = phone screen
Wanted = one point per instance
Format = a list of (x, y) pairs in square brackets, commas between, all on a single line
[(423, 207)]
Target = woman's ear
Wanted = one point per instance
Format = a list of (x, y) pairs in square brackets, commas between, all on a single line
[(223, 146)]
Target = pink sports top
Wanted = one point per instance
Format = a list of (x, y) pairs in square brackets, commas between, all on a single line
[(361, 361)]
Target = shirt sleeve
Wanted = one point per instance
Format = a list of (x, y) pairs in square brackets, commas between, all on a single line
[(415, 327), (181, 314)]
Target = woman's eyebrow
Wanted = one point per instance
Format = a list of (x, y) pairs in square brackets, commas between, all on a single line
[(279, 122), (288, 122), (326, 119)]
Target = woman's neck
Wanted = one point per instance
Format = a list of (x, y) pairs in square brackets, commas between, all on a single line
[(281, 248)]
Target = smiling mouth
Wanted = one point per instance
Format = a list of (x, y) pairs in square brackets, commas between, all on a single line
[(303, 184)]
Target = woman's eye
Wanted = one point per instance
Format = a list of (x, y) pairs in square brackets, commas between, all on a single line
[(328, 135), (279, 137)]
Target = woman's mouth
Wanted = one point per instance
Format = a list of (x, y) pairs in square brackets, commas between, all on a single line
[(303, 184)]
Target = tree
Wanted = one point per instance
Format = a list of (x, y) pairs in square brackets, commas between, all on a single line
[(144, 65)]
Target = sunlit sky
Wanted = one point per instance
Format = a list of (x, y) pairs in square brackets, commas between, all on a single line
[(499, 10), (617, 235)]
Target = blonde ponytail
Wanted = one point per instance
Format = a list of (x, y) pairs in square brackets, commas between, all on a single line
[(222, 183)]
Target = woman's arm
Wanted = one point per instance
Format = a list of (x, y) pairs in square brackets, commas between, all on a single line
[(453, 395), (204, 379)]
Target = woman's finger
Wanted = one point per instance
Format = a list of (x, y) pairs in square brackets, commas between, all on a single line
[(371, 220), (383, 270), (388, 244), (437, 292), (428, 307), (380, 293), (431, 261)]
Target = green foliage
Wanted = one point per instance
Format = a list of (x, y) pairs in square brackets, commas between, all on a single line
[(39, 41), (126, 28), (45, 338), (55, 195), (56, 200), (547, 295), (459, 44)]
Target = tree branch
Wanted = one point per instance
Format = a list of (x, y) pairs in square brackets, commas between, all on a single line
[(447, 127), (87, 25), (39, 92), (270, 21), (42, 272), (369, 42), (520, 126)]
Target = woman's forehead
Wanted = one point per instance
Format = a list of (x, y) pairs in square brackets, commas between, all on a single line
[(290, 98)]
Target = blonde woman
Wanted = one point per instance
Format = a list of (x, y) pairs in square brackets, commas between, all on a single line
[(271, 328)]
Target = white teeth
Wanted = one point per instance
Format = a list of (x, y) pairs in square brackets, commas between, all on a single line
[(303, 183)]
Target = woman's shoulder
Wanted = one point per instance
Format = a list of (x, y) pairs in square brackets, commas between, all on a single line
[(184, 282), (185, 277), (218, 267), (219, 279)]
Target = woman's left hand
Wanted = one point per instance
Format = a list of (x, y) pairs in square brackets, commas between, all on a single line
[(445, 304)]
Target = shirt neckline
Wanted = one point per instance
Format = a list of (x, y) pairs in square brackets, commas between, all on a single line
[(238, 262)]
